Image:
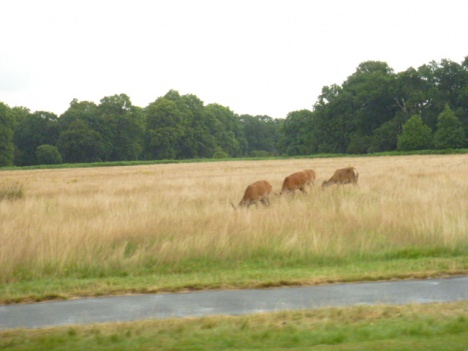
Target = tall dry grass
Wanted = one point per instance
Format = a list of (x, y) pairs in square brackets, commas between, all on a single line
[(129, 220)]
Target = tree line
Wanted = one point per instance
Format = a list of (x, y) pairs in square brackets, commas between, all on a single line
[(374, 110), (174, 126), (377, 110)]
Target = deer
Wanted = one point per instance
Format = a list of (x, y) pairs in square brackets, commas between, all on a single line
[(256, 192), (310, 173), (295, 181), (342, 176)]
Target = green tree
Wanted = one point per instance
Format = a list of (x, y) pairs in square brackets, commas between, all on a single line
[(447, 81), (182, 127), (226, 128), (7, 148), (177, 127), (344, 117), (415, 135), (461, 107), (80, 143), (48, 155), (261, 133), (412, 92), (81, 110), (19, 114), (33, 130), (84, 115), (385, 137), (197, 140), (372, 101), (450, 133), (124, 127), (330, 123), (163, 130), (295, 136)]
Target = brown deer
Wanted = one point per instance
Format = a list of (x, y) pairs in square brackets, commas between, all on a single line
[(347, 175), (295, 181), (310, 173), (256, 192)]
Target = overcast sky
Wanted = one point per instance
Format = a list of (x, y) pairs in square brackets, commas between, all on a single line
[(258, 57)]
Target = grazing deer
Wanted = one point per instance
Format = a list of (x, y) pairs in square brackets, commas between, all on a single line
[(310, 173), (347, 175), (295, 181), (254, 193)]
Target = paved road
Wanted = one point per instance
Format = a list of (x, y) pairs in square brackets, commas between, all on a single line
[(230, 302)]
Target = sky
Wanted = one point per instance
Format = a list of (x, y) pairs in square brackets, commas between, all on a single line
[(257, 57)]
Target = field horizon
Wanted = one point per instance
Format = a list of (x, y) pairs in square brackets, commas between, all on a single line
[(171, 227)]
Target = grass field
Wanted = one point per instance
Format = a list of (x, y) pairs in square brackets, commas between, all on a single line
[(433, 327), (168, 227)]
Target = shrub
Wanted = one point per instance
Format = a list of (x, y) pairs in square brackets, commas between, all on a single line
[(220, 153), (415, 135), (450, 133), (48, 155)]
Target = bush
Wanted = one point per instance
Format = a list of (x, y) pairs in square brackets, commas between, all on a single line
[(48, 155), (415, 135), (450, 133), (220, 153)]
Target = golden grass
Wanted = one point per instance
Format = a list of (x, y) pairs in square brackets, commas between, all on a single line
[(124, 217)]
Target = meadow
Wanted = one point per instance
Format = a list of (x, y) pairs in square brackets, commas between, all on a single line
[(170, 227)]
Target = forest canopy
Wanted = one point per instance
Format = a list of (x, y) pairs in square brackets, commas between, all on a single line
[(373, 110)]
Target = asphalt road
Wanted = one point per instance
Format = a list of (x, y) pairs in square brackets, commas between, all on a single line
[(230, 302)]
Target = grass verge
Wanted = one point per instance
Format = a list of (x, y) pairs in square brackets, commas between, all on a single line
[(211, 276), (441, 327)]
